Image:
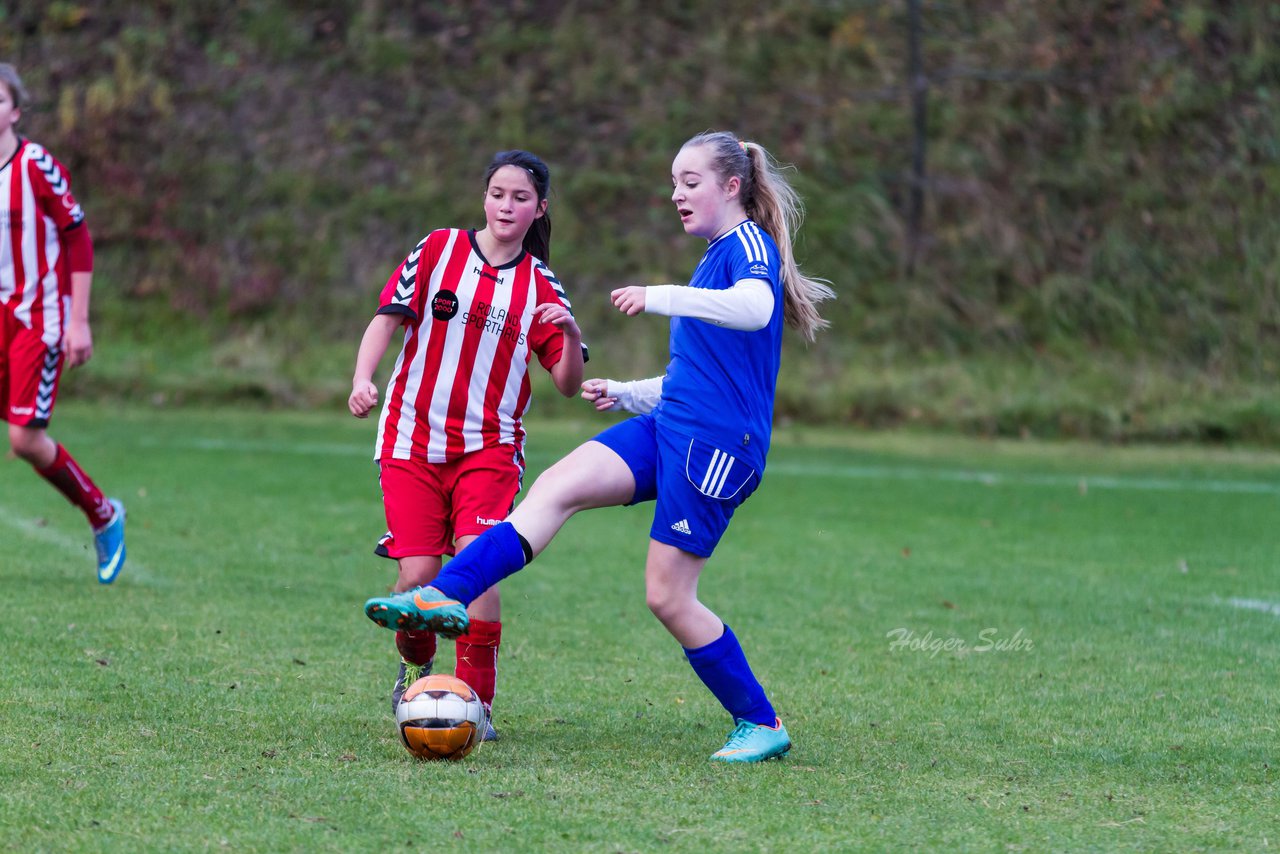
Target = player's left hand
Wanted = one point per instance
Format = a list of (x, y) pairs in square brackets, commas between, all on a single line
[(629, 300), (596, 392), (78, 343), (557, 315)]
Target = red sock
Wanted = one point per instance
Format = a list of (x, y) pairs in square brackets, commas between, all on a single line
[(68, 478), (477, 653), (416, 647)]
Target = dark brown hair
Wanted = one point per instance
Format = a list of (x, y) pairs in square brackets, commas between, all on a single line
[(537, 240)]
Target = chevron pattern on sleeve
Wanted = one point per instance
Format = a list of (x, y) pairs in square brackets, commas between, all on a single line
[(555, 285), (409, 276), (55, 178)]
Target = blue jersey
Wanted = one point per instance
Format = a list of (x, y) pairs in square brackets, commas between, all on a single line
[(720, 383)]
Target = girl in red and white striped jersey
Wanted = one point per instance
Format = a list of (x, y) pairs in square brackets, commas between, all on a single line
[(476, 307), (46, 271)]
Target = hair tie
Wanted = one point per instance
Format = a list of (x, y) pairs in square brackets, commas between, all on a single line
[(742, 145)]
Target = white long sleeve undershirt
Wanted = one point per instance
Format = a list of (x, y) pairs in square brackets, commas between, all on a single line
[(747, 306), (638, 396)]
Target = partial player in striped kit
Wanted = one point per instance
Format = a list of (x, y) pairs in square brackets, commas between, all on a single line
[(476, 307), (46, 272), (698, 443)]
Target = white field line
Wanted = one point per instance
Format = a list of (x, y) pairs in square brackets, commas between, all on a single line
[(82, 546), (1272, 608), (266, 446), (45, 534), (1072, 481), (786, 469)]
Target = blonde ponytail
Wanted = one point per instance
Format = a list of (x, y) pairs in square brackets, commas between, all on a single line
[(769, 199)]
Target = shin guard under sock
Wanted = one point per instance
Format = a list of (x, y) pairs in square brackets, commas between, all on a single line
[(416, 647), (722, 667), (489, 558), (477, 654), (68, 478)]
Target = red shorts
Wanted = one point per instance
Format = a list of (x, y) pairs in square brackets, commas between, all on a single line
[(430, 505), (29, 373)]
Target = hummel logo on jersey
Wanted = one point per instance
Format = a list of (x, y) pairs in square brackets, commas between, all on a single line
[(682, 527), (485, 274)]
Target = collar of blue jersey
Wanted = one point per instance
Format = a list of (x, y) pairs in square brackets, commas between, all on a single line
[(727, 233)]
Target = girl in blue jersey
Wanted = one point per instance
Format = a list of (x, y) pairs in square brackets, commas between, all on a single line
[(698, 442)]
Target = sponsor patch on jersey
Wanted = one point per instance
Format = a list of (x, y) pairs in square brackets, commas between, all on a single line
[(444, 305), (760, 269)]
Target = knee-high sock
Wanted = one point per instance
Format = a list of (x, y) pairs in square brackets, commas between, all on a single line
[(68, 478), (477, 653), (490, 557), (722, 667), (416, 647)]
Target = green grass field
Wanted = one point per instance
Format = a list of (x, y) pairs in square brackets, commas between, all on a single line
[(975, 646)]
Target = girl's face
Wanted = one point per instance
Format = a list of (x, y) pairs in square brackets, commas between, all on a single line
[(703, 204), (9, 113), (511, 204)]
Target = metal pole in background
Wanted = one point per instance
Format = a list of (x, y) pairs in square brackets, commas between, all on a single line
[(919, 86)]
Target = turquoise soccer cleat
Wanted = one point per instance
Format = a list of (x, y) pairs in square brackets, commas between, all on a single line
[(423, 609), (754, 743), (109, 543)]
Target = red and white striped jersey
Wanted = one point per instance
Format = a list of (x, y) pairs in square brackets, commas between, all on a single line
[(461, 381), (35, 279)]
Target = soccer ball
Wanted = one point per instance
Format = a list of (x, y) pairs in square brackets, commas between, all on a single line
[(440, 717)]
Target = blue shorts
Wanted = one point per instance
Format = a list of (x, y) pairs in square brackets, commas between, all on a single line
[(697, 486)]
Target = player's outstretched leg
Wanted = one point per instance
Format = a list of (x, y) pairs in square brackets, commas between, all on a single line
[(423, 609), (754, 743), (109, 543)]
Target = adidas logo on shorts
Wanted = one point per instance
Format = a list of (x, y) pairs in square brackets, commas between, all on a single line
[(682, 527)]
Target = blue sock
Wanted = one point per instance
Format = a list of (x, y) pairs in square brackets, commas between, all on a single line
[(722, 667), (491, 557)]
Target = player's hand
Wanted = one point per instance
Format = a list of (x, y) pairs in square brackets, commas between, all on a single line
[(364, 396), (78, 343), (559, 316), (629, 300), (594, 392)]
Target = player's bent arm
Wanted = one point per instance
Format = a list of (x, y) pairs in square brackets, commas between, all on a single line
[(79, 340), (567, 373), (377, 336), (747, 306), (374, 344), (79, 248)]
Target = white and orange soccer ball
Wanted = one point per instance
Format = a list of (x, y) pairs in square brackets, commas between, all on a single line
[(440, 717)]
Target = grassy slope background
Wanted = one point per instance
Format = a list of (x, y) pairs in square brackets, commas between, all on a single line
[(1101, 254)]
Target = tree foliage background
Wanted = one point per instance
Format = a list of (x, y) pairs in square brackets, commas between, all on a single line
[(1100, 244)]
